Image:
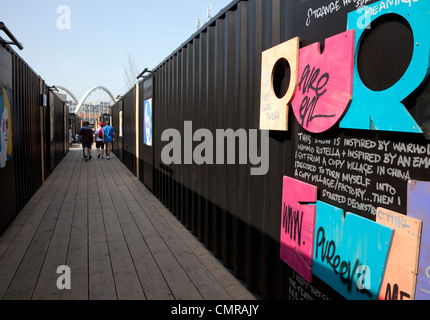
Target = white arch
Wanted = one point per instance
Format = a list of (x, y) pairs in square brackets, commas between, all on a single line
[(69, 92), (78, 107)]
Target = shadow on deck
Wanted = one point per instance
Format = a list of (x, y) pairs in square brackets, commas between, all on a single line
[(118, 240)]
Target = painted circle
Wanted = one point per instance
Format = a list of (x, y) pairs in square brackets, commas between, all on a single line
[(385, 52), (281, 78)]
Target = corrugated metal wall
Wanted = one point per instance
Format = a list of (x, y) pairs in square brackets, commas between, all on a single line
[(129, 127), (214, 80), (146, 153), (118, 146), (30, 126), (26, 129)]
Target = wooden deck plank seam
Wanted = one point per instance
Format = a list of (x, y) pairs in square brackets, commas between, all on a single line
[(20, 221), (121, 174), (234, 282), (20, 255), (176, 228), (66, 177), (108, 176), (148, 218), (99, 177), (48, 269), (111, 168), (126, 205), (79, 164)]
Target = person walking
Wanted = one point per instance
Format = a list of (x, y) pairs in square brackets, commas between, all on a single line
[(86, 134), (108, 138), (100, 145)]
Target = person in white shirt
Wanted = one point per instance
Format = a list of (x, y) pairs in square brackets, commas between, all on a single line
[(99, 141)]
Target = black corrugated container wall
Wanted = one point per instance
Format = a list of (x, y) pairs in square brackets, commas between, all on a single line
[(26, 131), (213, 82), (7, 172), (46, 123), (129, 126), (146, 153), (29, 121), (117, 146), (57, 136)]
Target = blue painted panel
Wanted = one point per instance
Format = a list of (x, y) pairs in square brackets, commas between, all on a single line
[(383, 110), (350, 253), (419, 208)]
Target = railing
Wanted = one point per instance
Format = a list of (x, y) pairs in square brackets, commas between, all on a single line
[(11, 36)]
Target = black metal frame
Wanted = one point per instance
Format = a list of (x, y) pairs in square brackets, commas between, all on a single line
[(11, 36)]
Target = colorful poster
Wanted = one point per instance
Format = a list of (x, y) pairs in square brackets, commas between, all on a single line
[(325, 82), (402, 267), (120, 123), (5, 127), (6, 100), (147, 123), (350, 252), (298, 226), (419, 208), (51, 125), (274, 104), (384, 110)]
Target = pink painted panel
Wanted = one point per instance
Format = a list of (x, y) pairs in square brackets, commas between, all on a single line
[(298, 226), (325, 82)]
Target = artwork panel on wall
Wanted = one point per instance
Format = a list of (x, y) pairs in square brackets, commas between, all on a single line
[(419, 208), (6, 151), (278, 84), (383, 110), (325, 82), (120, 124), (147, 127), (297, 226), (402, 266), (350, 252)]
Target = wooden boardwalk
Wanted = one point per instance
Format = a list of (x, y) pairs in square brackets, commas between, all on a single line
[(119, 241)]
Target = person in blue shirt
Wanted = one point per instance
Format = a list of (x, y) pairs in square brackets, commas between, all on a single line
[(108, 138)]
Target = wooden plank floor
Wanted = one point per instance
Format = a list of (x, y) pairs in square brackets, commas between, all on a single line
[(119, 241)]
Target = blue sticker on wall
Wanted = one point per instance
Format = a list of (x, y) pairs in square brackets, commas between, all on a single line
[(147, 128), (383, 110)]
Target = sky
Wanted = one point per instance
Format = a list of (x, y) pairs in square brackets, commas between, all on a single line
[(80, 44)]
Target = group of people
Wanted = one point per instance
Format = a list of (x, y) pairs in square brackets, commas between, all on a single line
[(104, 137)]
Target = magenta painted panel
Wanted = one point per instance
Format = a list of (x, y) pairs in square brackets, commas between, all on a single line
[(325, 82), (298, 226)]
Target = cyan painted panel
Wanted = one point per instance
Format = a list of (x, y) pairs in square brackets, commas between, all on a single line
[(350, 252)]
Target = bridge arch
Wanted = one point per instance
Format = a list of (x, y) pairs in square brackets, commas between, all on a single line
[(78, 107), (69, 92)]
